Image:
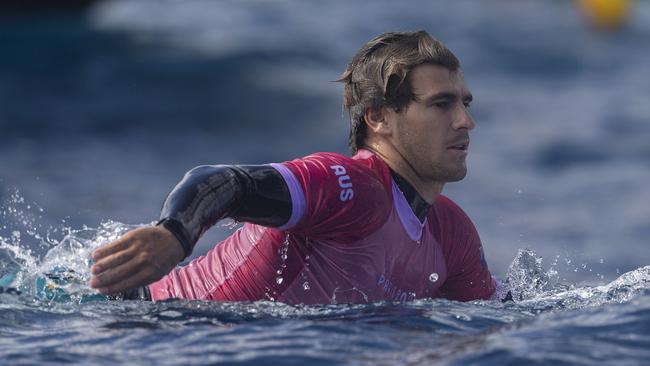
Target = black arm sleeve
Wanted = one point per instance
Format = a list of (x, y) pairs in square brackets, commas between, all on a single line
[(209, 193)]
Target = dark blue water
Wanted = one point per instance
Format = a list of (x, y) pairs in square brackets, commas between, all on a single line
[(102, 110), (549, 323), (419, 333)]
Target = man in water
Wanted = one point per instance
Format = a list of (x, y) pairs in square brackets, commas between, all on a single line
[(330, 228)]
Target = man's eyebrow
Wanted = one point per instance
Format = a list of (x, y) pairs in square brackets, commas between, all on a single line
[(448, 96)]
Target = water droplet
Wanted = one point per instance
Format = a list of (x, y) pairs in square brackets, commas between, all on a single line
[(279, 280), (229, 223), (602, 261), (433, 277), (305, 286), (284, 257)]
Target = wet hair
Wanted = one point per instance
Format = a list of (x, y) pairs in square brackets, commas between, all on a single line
[(378, 74)]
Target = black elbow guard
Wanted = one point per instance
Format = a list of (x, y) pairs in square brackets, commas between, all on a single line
[(209, 193)]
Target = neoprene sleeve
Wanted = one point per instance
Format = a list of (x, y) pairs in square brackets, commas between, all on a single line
[(209, 193)]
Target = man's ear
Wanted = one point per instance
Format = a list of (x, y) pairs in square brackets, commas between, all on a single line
[(377, 120)]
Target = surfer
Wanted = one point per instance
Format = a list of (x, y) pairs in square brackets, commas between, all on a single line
[(328, 227)]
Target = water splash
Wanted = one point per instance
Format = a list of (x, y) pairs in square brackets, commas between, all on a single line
[(303, 274), (63, 272), (19, 218), (282, 252), (622, 289), (349, 295), (536, 289), (230, 224), (526, 278)]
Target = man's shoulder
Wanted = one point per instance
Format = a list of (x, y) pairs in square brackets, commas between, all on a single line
[(344, 198), (364, 163), (362, 157), (446, 212), (443, 202)]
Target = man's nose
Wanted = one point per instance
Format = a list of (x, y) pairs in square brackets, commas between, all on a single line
[(464, 119)]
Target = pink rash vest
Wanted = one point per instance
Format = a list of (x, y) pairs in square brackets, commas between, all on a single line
[(352, 238)]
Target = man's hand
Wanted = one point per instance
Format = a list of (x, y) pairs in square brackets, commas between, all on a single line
[(138, 258)]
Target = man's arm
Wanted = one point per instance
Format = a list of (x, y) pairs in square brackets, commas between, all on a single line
[(210, 193), (206, 195)]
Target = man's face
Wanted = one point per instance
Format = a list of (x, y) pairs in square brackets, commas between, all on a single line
[(432, 132)]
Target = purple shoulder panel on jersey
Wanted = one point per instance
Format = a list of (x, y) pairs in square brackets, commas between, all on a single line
[(298, 204)]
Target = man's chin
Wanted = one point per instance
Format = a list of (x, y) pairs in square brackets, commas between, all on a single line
[(448, 174), (455, 175), (456, 178)]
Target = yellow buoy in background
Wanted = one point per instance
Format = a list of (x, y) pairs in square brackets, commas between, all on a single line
[(606, 14)]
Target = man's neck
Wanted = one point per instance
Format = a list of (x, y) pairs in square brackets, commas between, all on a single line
[(426, 189)]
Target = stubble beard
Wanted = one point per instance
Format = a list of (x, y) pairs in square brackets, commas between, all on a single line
[(439, 173)]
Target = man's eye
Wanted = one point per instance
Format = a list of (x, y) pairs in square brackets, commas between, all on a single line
[(466, 104), (442, 104)]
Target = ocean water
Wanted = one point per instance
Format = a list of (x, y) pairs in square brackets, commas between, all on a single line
[(103, 109), (50, 316)]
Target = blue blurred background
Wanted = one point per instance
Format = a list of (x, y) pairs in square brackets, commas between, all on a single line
[(105, 105)]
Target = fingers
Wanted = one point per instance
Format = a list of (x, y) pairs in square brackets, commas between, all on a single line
[(116, 246), (112, 277), (134, 280), (112, 261), (137, 258)]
